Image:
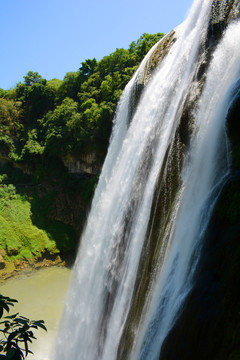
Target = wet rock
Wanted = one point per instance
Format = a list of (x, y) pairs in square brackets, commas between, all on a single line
[(12, 251), (18, 264), (2, 262), (209, 325), (83, 164)]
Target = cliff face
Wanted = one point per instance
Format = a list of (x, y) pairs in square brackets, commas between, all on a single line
[(208, 326), (58, 205), (80, 169), (83, 164)]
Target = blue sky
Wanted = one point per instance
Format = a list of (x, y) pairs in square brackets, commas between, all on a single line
[(53, 37)]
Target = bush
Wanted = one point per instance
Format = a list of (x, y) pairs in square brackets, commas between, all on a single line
[(17, 332)]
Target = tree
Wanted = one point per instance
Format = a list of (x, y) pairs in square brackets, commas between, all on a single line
[(17, 332), (144, 44), (10, 124), (69, 87), (88, 67), (61, 127), (33, 78), (10, 116), (2, 92), (37, 97)]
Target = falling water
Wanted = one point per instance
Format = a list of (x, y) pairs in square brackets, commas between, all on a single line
[(206, 170), (100, 296)]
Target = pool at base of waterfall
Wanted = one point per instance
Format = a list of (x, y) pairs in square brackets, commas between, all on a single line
[(40, 296)]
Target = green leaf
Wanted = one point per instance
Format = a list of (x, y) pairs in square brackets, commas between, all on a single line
[(7, 325), (4, 306), (40, 323), (12, 336), (21, 321), (26, 343), (31, 334), (34, 326), (23, 317), (11, 316)]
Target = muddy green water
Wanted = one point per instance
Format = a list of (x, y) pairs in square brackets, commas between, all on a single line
[(40, 296)]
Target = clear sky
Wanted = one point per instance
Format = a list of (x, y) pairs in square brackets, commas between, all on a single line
[(53, 37)]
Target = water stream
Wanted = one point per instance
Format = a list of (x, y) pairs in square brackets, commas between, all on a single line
[(102, 286), (206, 169)]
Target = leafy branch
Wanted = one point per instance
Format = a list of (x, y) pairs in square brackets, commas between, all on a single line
[(17, 332)]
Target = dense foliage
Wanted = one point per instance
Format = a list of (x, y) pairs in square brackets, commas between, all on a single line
[(19, 238), (41, 118), (41, 123)]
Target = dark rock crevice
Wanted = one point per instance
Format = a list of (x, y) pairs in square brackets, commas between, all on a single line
[(208, 326)]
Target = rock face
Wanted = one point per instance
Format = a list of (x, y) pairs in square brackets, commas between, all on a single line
[(74, 196), (59, 202), (83, 164), (2, 261), (160, 51), (208, 326)]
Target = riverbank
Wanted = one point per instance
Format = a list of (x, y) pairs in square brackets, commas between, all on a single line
[(18, 268)]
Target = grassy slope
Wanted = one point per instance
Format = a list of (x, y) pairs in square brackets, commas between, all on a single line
[(19, 238)]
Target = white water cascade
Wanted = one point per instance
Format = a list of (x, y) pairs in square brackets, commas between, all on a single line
[(100, 295)]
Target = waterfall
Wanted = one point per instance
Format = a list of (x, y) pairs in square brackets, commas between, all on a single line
[(206, 169), (102, 290)]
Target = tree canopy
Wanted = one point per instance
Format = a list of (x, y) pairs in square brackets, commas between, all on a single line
[(41, 118), (43, 123)]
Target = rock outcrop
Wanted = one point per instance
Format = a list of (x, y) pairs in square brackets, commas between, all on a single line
[(208, 326), (88, 163)]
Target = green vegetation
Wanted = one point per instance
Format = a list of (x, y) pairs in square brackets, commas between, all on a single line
[(19, 238), (43, 123), (17, 331), (41, 118)]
